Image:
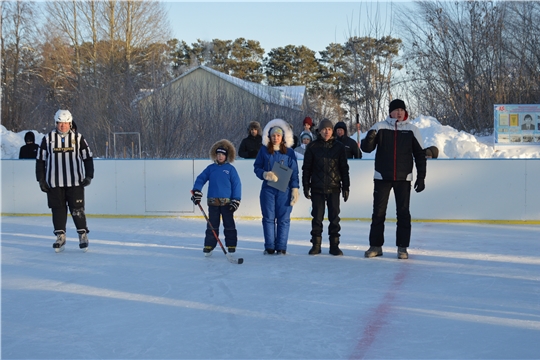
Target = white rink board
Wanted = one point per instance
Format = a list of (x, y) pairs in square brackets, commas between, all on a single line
[(483, 189)]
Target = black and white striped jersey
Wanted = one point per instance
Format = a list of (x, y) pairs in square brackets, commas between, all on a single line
[(67, 159)]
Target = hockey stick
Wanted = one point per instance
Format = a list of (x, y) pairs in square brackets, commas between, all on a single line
[(229, 256)]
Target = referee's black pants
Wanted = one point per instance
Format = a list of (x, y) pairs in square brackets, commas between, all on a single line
[(59, 199)]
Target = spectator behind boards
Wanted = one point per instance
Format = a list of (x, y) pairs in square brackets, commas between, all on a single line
[(64, 166), (29, 151), (351, 147), (398, 143), (305, 138), (249, 147)]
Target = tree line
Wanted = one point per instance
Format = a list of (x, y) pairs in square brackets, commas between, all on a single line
[(452, 60)]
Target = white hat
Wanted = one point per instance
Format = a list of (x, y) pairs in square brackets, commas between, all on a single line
[(63, 116)]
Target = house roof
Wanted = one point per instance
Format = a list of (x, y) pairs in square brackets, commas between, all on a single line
[(287, 96)]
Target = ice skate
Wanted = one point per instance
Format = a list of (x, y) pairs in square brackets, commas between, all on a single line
[(208, 251), (60, 241), (83, 240)]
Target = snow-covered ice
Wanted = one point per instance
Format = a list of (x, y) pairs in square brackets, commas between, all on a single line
[(144, 290)]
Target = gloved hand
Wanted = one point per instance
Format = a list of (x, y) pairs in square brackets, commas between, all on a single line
[(419, 185), (370, 136), (43, 185), (196, 197), (234, 205), (270, 176), (86, 181), (306, 193), (345, 195), (294, 196)]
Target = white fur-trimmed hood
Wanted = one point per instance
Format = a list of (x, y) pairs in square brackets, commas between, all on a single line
[(288, 134)]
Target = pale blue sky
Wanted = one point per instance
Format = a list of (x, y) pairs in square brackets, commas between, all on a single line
[(278, 24)]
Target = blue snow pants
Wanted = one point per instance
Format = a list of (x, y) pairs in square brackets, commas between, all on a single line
[(229, 226), (276, 211)]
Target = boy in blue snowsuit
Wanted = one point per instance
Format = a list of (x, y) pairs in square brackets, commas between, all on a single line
[(276, 205), (224, 195)]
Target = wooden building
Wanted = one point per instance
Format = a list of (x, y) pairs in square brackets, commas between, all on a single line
[(184, 117)]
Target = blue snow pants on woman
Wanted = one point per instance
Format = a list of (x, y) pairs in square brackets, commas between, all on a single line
[(276, 211)]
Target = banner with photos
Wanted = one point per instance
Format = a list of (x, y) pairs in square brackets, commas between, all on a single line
[(517, 124)]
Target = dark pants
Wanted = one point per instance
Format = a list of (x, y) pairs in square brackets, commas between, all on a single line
[(59, 199), (318, 204), (402, 193), (215, 213)]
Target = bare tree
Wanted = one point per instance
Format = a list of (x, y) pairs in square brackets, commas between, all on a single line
[(370, 59), (19, 62), (456, 60)]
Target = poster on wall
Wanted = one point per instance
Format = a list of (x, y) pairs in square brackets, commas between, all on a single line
[(517, 124)]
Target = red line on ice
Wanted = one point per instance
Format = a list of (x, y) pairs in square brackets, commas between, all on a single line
[(377, 319)]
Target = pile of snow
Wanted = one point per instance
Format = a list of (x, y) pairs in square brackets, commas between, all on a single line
[(452, 144)]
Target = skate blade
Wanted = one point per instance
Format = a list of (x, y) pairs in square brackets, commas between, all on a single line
[(60, 249), (84, 249), (208, 254)]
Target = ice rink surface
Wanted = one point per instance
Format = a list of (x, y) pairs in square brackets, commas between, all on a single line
[(144, 290)]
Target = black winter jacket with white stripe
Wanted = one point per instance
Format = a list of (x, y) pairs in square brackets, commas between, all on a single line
[(398, 143)]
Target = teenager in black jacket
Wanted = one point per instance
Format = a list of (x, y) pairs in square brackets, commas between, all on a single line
[(398, 144), (249, 147), (29, 151), (325, 174), (351, 147)]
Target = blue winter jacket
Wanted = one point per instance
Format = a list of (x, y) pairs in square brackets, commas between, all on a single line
[(224, 182), (265, 162)]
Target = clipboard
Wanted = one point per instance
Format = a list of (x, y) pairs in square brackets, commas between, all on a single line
[(283, 174)]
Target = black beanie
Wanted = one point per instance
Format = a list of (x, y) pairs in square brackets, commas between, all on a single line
[(221, 150), (341, 125), (396, 104)]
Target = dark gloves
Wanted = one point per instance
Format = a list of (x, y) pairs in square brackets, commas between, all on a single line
[(419, 185), (306, 193), (43, 185), (345, 195), (196, 197), (86, 181), (234, 205)]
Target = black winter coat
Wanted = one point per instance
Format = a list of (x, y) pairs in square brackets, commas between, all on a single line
[(352, 151), (397, 144), (325, 169), (249, 147), (28, 151)]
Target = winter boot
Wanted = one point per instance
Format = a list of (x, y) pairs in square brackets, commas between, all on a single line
[(281, 252), (334, 247), (269, 251), (373, 251), (83, 240), (402, 252), (316, 248), (60, 240)]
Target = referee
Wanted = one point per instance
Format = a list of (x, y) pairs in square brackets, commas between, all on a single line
[(64, 166)]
